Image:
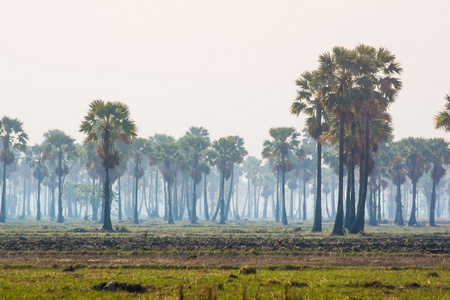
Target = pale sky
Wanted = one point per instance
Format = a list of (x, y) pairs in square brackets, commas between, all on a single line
[(229, 66)]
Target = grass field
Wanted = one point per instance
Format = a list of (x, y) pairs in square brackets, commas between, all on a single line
[(208, 261)]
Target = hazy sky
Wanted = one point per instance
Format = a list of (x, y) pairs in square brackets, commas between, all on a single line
[(229, 66)]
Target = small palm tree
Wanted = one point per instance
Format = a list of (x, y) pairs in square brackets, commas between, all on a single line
[(60, 148), (107, 123), (35, 159), (13, 138), (281, 148)]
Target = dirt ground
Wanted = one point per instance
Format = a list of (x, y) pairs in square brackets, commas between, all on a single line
[(369, 251)]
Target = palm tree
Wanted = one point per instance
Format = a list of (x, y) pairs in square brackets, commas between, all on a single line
[(337, 70), (310, 101), (224, 154), (13, 138), (442, 119), (139, 148), (60, 148), (107, 123), (36, 160), (438, 154), (252, 166), (414, 151), (167, 155), (194, 149), (281, 148)]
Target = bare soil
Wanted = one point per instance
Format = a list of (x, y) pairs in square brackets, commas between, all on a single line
[(226, 252)]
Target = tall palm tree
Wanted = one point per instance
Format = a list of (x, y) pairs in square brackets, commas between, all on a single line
[(281, 148), (60, 148), (36, 159), (139, 149), (107, 123), (13, 138), (337, 70), (310, 102), (194, 149)]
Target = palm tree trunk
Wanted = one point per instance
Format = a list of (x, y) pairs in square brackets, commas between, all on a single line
[(283, 196), (194, 197), (169, 204), (412, 218), (317, 225), (304, 200), (433, 203), (277, 204), (24, 200), (120, 200), (156, 195), (398, 213), (38, 203), (60, 208), (205, 198), (222, 201), (230, 192), (339, 222), (3, 209), (107, 225), (136, 188)]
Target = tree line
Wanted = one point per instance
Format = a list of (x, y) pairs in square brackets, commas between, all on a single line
[(346, 102)]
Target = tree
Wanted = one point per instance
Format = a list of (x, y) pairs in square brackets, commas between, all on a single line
[(310, 101), (194, 149), (167, 155), (60, 148), (12, 137), (416, 164), (252, 166), (442, 119), (439, 155), (36, 159), (107, 123), (224, 154), (280, 148), (139, 149)]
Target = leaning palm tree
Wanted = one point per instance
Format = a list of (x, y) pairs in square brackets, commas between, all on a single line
[(12, 137), (60, 148), (107, 123), (310, 102), (281, 148)]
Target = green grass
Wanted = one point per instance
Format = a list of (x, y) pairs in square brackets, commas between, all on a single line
[(206, 283)]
